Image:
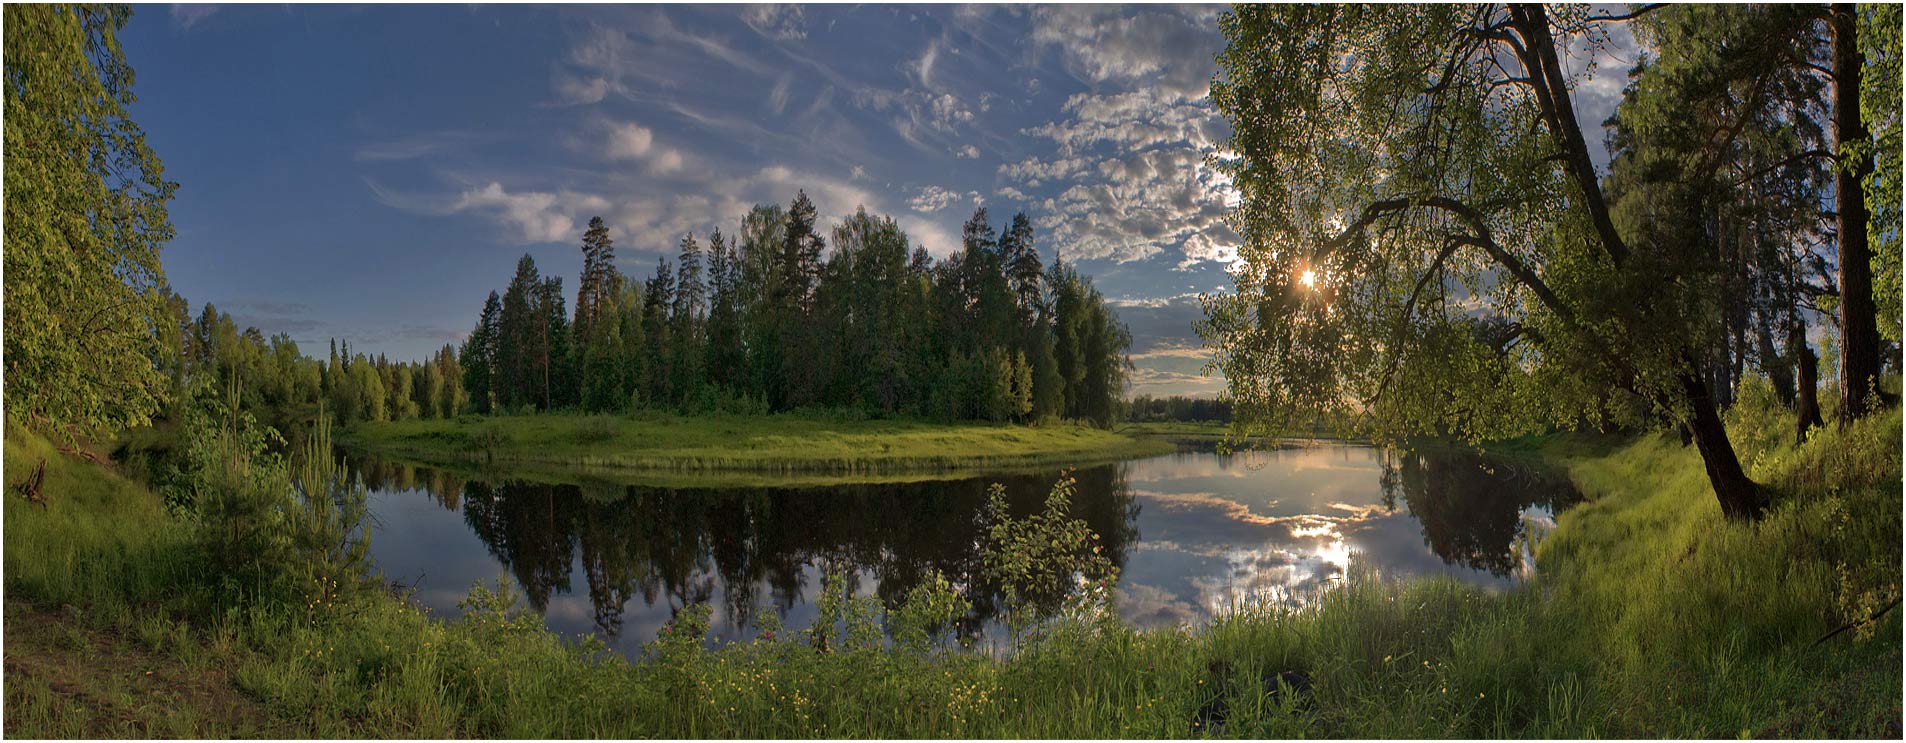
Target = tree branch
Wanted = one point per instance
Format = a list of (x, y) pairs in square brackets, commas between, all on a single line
[(1552, 95), (1629, 16)]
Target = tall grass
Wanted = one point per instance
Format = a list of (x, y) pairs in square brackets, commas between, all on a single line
[(1649, 616)]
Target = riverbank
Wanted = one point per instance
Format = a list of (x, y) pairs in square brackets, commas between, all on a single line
[(810, 449), (1650, 616), (1190, 433)]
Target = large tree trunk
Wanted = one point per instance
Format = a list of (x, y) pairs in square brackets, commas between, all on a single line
[(1779, 370), (1739, 496), (1807, 399), (1859, 327)]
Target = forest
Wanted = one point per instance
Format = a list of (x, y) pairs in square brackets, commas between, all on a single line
[(773, 320), (762, 325)]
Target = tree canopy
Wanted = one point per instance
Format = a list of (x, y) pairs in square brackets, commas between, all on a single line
[(1430, 248), (86, 217)]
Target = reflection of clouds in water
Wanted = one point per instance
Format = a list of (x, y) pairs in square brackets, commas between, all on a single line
[(1151, 606), (1250, 558), (1280, 482), (1270, 575)]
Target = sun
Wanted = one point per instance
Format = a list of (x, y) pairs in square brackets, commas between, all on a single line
[(1308, 278)]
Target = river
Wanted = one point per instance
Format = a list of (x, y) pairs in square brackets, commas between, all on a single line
[(1194, 533)]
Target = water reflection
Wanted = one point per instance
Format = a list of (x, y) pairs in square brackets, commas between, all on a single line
[(1217, 530)]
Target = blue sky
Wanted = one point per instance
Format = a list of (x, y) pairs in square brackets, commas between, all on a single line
[(372, 173)]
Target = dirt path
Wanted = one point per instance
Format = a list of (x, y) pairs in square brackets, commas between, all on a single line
[(64, 680)]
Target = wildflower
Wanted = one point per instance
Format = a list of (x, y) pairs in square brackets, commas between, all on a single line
[(1386, 659)]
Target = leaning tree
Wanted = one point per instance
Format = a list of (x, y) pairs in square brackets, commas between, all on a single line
[(1427, 242)]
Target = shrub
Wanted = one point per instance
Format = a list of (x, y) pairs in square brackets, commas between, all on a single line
[(488, 439), (326, 524), (1048, 563), (263, 522), (596, 429)]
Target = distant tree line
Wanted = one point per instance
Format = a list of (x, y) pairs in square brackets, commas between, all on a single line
[(772, 320), (1145, 408), (283, 388)]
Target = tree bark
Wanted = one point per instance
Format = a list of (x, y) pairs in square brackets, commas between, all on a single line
[(1859, 326), (1779, 370), (1807, 398), (1739, 496)]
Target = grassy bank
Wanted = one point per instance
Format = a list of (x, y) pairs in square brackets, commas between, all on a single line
[(1650, 616), (814, 449)]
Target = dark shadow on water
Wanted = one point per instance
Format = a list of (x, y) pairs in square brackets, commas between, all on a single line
[(648, 548), (1473, 506)]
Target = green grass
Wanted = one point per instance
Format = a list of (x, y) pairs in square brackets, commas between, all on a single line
[(811, 449), (1650, 616)]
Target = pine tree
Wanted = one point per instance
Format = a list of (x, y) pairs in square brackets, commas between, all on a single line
[(657, 304), (686, 321), (478, 357), (1022, 268), (798, 275), (598, 269), (519, 341), (725, 354), (559, 383), (603, 357), (635, 348)]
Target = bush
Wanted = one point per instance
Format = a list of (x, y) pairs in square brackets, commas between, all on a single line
[(596, 429), (489, 439), (263, 522), (1048, 564)]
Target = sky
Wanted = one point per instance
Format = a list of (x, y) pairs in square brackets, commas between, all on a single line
[(371, 174)]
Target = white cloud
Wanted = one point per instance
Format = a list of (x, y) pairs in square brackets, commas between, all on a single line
[(187, 15), (778, 96), (1134, 178), (1034, 172), (969, 152), (537, 217), (949, 111), (932, 199), (1160, 47), (629, 141), (786, 22), (923, 67), (666, 161), (413, 147)]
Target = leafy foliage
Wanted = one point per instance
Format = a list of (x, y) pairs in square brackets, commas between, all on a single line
[(1045, 561), (86, 216)]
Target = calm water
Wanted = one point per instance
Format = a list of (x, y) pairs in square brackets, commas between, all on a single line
[(1193, 534)]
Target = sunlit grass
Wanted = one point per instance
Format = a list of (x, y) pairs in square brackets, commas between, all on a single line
[(1649, 616), (844, 450)]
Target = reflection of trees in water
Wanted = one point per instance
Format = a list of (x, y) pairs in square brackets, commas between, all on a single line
[(1470, 505), (677, 546)]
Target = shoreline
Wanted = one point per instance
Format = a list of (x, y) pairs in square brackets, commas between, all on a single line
[(701, 449)]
